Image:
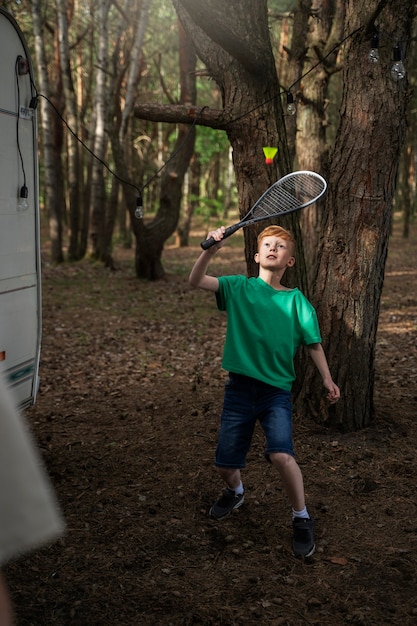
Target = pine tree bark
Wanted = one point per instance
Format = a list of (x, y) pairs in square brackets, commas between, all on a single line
[(312, 142), (364, 167), (233, 41)]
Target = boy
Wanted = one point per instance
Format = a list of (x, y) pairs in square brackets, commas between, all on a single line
[(266, 323)]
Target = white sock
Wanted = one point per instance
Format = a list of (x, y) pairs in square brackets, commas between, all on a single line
[(239, 489), (303, 513)]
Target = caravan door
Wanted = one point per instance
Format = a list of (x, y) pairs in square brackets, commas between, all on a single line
[(20, 277)]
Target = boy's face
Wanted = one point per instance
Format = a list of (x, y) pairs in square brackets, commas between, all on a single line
[(275, 253)]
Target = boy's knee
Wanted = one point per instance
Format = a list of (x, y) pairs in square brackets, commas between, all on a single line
[(280, 459)]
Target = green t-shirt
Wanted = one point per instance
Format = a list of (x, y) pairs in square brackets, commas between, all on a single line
[(265, 327)]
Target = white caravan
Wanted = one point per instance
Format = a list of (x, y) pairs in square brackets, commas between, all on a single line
[(20, 274)]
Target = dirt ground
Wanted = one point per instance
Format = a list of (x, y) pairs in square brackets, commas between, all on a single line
[(126, 420)]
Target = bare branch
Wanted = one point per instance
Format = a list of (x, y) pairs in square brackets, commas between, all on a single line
[(182, 114)]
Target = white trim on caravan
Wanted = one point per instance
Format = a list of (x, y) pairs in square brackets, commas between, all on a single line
[(20, 268)]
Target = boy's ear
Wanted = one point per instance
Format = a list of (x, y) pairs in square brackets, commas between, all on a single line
[(256, 257), (291, 261)]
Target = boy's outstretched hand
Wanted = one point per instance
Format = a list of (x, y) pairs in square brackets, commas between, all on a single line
[(333, 390)]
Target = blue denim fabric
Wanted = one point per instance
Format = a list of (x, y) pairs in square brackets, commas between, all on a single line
[(247, 400)]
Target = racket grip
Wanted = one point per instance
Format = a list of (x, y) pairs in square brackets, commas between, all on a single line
[(207, 243)]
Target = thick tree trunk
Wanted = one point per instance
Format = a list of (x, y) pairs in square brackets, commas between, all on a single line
[(252, 113), (357, 219)]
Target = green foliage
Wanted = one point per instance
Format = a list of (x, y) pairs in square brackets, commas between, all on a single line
[(281, 6), (210, 142), (208, 207)]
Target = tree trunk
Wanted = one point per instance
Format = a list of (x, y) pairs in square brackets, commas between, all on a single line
[(184, 225), (312, 144), (98, 197), (149, 249), (120, 127), (407, 177), (73, 170), (357, 218), (248, 82), (291, 62), (53, 196)]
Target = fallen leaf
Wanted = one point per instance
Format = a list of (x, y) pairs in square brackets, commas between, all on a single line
[(338, 560)]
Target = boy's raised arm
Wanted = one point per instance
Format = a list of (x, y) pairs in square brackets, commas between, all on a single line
[(198, 276)]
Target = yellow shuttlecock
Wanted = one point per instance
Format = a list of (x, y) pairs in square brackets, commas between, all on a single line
[(269, 154)]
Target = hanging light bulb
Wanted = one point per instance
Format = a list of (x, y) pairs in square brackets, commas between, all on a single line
[(139, 208), (398, 69), (290, 103), (269, 154), (373, 54), (22, 201)]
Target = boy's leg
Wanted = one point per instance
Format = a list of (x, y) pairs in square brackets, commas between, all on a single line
[(232, 497), (291, 477), (303, 526), (230, 476), (235, 436)]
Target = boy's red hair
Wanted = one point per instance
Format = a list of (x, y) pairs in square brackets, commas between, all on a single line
[(276, 231)]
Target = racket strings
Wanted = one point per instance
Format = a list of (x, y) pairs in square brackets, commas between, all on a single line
[(292, 194)]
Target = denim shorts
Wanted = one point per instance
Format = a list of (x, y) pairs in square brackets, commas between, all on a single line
[(247, 400)]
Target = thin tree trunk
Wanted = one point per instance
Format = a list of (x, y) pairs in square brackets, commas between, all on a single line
[(53, 196), (98, 198), (149, 249), (406, 196), (73, 170), (183, 230)]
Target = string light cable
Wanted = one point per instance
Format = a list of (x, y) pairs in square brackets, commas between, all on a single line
[(139, 201), (22, 202), (397, 72)]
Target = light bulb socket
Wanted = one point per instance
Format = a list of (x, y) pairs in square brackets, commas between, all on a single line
[(397, 53), (375, 40), (291, 108), (24, 192), (22, 65), (139, 208)]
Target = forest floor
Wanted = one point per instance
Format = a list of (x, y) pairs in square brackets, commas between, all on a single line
[(126, 420)]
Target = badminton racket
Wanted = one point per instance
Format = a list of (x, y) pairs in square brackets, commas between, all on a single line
[(290, 193)]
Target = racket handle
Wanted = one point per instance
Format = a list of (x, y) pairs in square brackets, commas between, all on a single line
[(207, 243)]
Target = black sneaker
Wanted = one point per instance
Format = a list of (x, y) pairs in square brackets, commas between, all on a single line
[(228, 501), (303, 536)]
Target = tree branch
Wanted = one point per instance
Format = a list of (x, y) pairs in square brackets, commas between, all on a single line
[(373, 17), (182, 114)]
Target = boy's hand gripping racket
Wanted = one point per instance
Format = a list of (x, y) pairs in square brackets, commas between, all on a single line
[(290, 193)]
